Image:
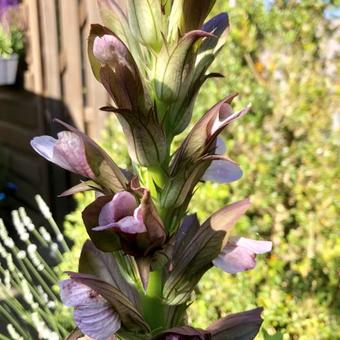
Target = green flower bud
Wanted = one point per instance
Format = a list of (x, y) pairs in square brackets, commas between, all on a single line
[(145, 21)]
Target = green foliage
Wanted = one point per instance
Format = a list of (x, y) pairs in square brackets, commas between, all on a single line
[(11, 42), (288, 152)]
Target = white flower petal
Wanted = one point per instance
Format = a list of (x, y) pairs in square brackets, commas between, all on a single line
[(44, 145), (226, 116), (234, 259), (257, 247), (239, 254)]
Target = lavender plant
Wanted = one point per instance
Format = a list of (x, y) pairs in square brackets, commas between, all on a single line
[(30, 307), (145, 256)]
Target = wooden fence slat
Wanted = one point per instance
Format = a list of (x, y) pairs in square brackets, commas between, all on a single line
[(71, 47), (49, 42), (35, 83)]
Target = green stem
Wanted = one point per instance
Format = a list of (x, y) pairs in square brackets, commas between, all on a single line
[(155, 287), (10, 318), (152, 302)]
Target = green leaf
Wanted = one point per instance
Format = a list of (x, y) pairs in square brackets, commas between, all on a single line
[(146, 139), (199, 140), (194, 13), (146, 22), (188, 15), (114, 16), (194, 261)]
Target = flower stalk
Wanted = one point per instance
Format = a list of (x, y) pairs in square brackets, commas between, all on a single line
[(145, 254)]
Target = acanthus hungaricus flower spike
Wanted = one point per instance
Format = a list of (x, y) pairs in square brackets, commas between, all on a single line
[(135, 243), (239, 254), (94, 316), (76, 152)]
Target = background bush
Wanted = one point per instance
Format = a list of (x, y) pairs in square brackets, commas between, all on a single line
[(278, 59)]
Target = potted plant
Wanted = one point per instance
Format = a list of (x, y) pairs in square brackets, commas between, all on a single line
[(11, 40)]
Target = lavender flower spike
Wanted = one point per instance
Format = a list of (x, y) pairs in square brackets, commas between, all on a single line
[(239, 254), (68, 151), (122, 213), (93, 315)]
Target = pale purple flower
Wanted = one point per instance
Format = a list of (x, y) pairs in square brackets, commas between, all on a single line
[(239, 254), (121, 213), (222, 170), (93, 315), (68, 151)]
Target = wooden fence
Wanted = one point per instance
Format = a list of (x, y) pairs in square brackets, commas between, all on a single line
[(57, 58), (58, 83)]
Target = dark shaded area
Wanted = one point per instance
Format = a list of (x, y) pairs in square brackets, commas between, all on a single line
[(23, 173)]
